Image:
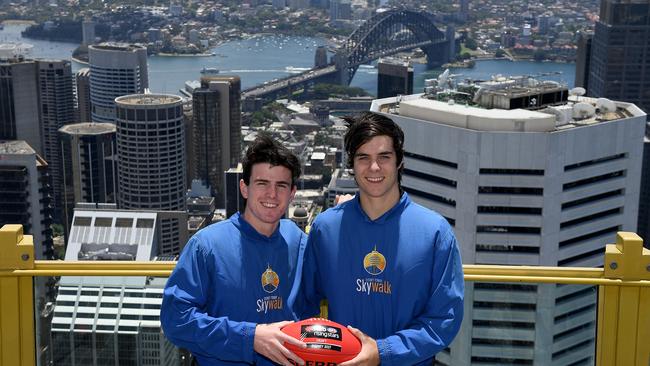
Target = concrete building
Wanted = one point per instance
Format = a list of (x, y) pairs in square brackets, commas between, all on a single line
[(342, 182), (620, 53), (111, 320), (583, 59), (89, 164), (36, 99), (26, 199), (547, 186), (151, 159), (88, 32), (394, 77), (82, 79), (234, 200), (216, 130), (320, 57), (116, 69), (340, 9)]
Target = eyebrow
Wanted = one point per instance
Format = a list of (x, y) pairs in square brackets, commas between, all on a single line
[(261, 180)]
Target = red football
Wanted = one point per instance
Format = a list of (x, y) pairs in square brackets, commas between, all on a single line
[(328, 343)]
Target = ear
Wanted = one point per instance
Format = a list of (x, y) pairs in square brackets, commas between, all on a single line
[(293, 192), (243, 188)]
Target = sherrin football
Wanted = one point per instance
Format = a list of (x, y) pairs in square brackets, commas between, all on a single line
[(328, 343)]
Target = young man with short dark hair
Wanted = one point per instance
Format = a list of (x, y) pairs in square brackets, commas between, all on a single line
[(386, 265), (235, 282)]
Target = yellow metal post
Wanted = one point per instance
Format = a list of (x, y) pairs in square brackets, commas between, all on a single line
[(17, 341), (624, 312)]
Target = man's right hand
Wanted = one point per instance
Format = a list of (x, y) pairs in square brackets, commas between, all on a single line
[(269, 342)]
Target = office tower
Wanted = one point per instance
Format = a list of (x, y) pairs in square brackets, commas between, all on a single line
[(464, 9), (620, 53), (217, 130), (116, 69), (88, 32), (394, 78), (26, 196), (111, 320), (234, 200), (320, 58), (26, 199), (340, 9), (82, 79), (548, 186), (583, 58), (56, 107), (89, 164), (151, 159), (37, 99)]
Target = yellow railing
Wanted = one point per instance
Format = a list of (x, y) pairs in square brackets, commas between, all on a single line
[(623, 333)]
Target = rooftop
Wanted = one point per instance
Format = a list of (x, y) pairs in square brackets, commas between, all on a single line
[(116, 46), (148, 99), (88, 128), (15, 147)]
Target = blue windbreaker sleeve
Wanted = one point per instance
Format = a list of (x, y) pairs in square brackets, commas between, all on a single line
[(185, 321), (309, 294), (300, 305), (436, 327)]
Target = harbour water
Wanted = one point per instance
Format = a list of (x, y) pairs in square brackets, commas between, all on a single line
[(266, 57)]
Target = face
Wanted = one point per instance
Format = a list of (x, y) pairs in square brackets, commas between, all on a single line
[(375, 168), (267, 196)]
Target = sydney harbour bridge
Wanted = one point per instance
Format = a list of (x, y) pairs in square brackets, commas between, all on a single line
[(385, 34)]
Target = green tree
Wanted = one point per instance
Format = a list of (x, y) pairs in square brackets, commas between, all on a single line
[(500, 52), (471, 44)]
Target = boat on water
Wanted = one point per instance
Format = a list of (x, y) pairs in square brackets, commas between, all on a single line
[(209, 70), (296, 70)]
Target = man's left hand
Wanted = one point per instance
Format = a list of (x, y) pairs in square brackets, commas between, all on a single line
[(369, 355)]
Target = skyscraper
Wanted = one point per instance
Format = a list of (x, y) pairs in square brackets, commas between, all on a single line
[(88, 31), (394, 77), (56, 106), (116, 69), (89, 165), (217, 130), (620, 53), (82, 78), (26, 199), (549, 186), (37, 99), (151, 159)]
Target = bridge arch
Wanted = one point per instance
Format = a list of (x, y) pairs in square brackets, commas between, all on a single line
[(390, 32)]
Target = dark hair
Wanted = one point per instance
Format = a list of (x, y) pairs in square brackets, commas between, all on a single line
[(364, 127), (266, 150)]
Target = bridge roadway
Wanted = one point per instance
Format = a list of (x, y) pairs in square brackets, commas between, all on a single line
[(281, 85)]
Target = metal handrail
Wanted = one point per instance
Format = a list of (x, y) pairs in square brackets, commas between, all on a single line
[(473, 272)]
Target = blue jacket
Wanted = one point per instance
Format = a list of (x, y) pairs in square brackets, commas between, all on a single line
[(229, 278), (398, 278)]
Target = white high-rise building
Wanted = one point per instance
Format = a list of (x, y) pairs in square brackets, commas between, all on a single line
[(151, 159), (116, 69), (547, 186), (111, 320)]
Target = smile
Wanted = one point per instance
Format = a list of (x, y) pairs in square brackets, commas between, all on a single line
[(269, 205), (374, 179)]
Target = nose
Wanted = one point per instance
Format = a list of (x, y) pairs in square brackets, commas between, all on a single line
[(374, 165), (272, 191)]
